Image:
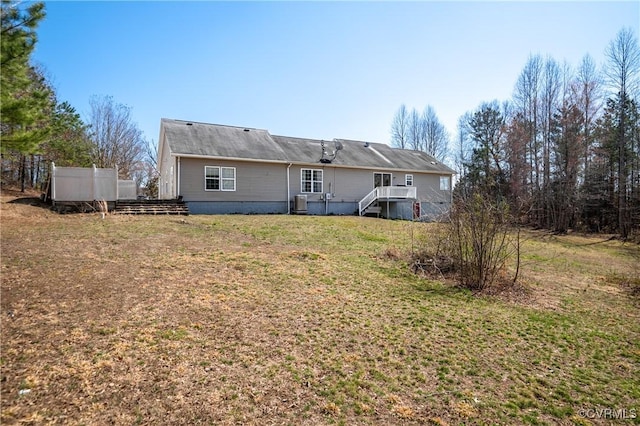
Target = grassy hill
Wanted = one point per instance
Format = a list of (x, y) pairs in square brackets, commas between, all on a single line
[(302, 320)]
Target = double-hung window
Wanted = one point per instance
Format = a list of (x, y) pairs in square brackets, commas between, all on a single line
[(408, 180), (311, 180), (219, 178), (444, 183)]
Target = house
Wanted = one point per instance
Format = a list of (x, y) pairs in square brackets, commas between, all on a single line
[(218, 169)]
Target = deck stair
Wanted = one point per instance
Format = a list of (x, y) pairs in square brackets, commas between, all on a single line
[(152, 207), (372, 210), (370, 203)]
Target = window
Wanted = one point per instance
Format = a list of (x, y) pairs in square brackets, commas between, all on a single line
[(408, 180), (219, 178), (444, 183), (211, 178), (228, 178), (311, 180)]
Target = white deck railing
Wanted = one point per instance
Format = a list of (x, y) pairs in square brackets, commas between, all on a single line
[(387, 192), (404, 192)]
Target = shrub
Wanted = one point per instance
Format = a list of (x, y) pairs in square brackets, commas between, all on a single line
[(475, 244), (484, 240)]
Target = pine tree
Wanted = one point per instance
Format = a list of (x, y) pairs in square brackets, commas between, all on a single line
[(68, 144), (24, 95), (622, 72), (486, 170), (610, 188)]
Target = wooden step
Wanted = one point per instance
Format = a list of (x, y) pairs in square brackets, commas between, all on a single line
[(372, 210), (152, 207)]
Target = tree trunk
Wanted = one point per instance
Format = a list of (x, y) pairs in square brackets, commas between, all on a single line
[(622, 175), (23, 171)]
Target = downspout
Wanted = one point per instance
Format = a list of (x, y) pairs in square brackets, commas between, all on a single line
[(327, 195), (288, 190), (177, 194)]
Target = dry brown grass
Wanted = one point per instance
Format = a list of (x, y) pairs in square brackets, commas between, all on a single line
[(297, 320)]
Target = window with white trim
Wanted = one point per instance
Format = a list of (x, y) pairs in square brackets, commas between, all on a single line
[(408, 180), (310, 180), (444, 183), (228, 178), (219, 178)]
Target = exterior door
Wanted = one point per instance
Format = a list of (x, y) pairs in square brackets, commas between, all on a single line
[(416, 210), (381, 179)]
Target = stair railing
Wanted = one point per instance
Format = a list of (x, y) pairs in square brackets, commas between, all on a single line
[(367, 200)]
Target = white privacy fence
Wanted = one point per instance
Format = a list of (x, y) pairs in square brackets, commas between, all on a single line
[(127, 189), (78, 184)]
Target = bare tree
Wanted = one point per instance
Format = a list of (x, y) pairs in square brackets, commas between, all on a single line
[(516, 162), (622, 73), (151, 174), (415, 129), (117, 140), (400, 128), (463, 144), (527, 99), (550, 95), (566, 137), (420, 132), (434, 138), (587, 97)]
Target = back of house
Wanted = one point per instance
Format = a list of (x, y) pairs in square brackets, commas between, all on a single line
[(218, 169)]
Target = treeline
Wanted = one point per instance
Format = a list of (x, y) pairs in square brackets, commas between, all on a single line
[(564, 152), (420, 132), (36, 128)]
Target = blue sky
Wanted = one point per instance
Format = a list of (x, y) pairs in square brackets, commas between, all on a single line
[(311, 69)]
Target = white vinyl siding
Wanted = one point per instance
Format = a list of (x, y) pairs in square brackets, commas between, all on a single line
[(311, 180), (219, 178), (254, 181)]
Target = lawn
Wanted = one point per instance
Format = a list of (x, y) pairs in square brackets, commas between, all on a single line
[(303, 320)]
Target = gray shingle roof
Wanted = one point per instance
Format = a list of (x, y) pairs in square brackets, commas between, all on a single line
[(213, 140)]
